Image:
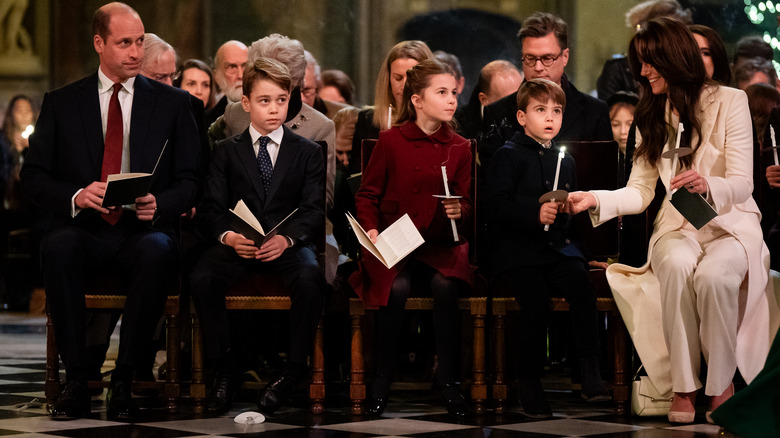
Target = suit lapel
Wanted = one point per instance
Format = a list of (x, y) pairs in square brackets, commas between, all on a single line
[(246, 155), (92, 121), (707, 109), (140, 120), (287, 151)]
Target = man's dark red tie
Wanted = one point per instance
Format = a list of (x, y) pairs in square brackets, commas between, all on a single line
[(112, 154)]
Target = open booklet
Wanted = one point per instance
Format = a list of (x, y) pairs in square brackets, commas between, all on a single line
[(693, 207), (244, 222), (392, 244), (124, 188)]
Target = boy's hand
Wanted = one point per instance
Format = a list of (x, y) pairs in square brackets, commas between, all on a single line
[(547, 212), (245, 248), (452, 208), (272, 249)]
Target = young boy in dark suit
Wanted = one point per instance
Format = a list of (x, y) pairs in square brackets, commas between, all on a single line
[(531, 262), (274, 171)]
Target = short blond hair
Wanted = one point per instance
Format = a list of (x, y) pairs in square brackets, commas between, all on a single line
[(267, 69)]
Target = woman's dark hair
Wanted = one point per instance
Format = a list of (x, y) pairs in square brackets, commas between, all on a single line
[(202, 66), (720, 59), (418, 78), (669, 47), (762, 99)]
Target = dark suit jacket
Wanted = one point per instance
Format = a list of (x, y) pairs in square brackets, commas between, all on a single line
[(66, 150), (213, 113), (521, 172), (584, 119), (297, 182)]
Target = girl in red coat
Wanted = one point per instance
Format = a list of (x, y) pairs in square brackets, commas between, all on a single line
[(402, 177)]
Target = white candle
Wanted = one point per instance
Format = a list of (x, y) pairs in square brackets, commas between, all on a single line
[(557, 174), (447, 194), (389, 117), (680, 130), (774, 144), (558, 167)]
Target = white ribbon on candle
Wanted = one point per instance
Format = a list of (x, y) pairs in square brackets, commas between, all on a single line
[(447, 194), (557, 173), (774, 144)]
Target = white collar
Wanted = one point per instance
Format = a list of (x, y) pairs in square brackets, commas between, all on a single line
[(105, 84)]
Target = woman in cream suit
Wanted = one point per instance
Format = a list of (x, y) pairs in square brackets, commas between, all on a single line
[(708, 289)]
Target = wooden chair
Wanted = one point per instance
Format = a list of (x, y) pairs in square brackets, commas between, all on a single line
[(597, 168), (106, 297), (263, 291), (475, 305)]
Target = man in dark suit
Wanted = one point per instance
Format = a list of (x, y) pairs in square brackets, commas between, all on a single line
[(113, 121), (273, 171), (544, 40)]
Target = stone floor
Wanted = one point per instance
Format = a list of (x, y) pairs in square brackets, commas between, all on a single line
[(410, 414)]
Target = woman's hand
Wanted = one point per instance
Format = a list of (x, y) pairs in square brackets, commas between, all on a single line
[(692, 181), (580, 201), (372, 234), (773, 176), (452, 208)]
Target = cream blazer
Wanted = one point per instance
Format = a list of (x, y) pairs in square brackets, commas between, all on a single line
[(725, 160)]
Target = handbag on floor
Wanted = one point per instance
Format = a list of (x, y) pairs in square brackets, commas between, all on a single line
[(645, 399)]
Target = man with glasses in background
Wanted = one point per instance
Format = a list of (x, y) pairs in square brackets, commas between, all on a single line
[(544, 42)]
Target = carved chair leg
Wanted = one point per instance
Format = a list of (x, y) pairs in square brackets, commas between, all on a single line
[(357, 384), (479, 386), (197, 385), (499, 357)]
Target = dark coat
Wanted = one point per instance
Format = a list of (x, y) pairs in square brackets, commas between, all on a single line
[(402, 176), (520, 174)]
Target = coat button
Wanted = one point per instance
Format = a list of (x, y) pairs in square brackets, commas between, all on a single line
[(416, 168), (414, 214), (416, 190), (436, 146), (541, 153), (547, 182), (567, 185)]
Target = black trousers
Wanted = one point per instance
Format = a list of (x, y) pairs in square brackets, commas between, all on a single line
[(144, 262), (390, 318), (220, 267), (532, 287)]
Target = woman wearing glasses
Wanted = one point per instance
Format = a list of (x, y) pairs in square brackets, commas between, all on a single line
[(707, 288)]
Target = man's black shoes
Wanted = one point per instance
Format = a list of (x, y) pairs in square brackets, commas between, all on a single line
[(275, 393), (120, 402), (220, 398), (73, 401)]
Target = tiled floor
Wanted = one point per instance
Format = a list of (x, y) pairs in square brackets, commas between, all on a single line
[(412, 414)]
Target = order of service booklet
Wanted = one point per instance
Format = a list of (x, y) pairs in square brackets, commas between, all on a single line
[(243, 221), (124, 188), (693, 207), (392, 244)]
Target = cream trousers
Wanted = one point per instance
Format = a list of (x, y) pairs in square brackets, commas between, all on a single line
[(700, 273)]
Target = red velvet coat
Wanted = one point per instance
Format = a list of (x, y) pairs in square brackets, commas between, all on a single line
[(402, 176)]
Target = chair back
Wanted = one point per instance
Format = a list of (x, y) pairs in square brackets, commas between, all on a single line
[(598, 168)]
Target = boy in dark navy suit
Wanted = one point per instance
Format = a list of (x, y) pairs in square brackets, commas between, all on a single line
[(274, 171)]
